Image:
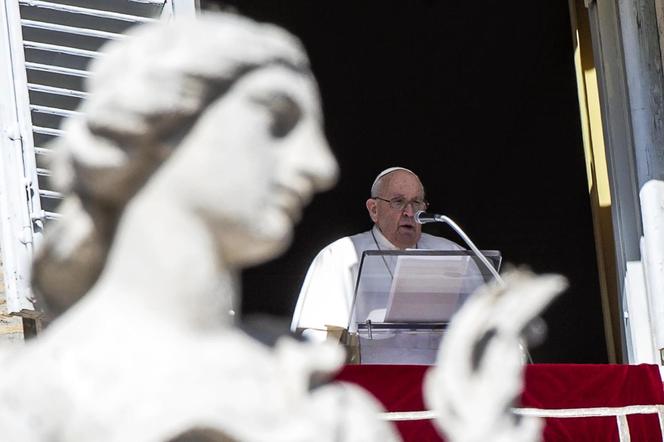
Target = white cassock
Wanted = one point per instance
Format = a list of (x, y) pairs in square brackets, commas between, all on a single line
[(327, 293)]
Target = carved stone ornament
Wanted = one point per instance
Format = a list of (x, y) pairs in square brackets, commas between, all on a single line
[(479, 372), (194, 156)]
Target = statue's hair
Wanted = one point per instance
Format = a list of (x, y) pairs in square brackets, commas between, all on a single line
[(146, 92)]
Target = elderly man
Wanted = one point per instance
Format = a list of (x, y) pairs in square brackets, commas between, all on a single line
[(327, 293)]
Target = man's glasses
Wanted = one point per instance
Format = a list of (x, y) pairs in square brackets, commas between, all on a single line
[(401, 203)]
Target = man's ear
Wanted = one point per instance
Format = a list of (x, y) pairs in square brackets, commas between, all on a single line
[(372, 209)]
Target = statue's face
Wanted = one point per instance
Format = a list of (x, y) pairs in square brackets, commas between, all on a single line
[(253, 160)]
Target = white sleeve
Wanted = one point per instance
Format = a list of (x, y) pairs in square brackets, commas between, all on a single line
[(327, 292)]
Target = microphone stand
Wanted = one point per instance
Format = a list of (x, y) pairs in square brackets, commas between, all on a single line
[(480, 255), (462, 234)]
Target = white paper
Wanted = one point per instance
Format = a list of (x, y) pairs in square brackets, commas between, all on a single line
[(427, 288)]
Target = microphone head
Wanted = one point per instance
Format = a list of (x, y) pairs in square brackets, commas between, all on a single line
[(421, 217)]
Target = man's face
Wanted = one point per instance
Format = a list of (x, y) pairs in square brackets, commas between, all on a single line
[(398, 226), (256, 157)]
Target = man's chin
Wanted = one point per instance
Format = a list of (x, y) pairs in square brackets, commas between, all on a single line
[(407, 239)]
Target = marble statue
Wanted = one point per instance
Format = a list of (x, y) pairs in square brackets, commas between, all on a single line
[(479, 371), (193, 157)]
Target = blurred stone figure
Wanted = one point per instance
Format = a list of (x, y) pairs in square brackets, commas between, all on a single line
[(478, 376), (193, 158), (150, 101)]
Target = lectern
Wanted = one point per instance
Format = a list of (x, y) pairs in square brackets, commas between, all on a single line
[(404, 300)]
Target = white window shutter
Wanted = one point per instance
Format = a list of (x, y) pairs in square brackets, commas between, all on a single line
[(17, 168), (45, 50)]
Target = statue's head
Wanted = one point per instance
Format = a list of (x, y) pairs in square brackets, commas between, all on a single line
[(227, 106)]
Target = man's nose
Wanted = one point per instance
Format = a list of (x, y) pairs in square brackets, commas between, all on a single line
[(408, 210)]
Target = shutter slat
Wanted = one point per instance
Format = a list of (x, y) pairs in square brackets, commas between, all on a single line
[(56, 90), (56, 69), (50, 194), (86, 11), (48, 131), (53, 110), (72, 30), (60, 49)]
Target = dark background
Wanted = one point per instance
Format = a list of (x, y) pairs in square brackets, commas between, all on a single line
[(479, 98)]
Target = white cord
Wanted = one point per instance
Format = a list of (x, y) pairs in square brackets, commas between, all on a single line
[(540, 412)]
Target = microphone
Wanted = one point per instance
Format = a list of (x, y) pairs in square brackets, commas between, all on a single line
[(423, 217)]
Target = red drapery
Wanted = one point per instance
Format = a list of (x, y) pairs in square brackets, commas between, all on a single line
[(548, 386)]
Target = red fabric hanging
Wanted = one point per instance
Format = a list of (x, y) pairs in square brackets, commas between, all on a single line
[(548, 386)]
